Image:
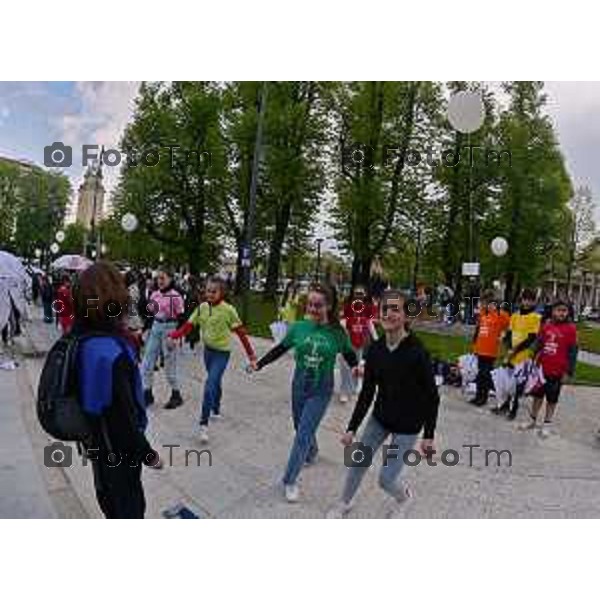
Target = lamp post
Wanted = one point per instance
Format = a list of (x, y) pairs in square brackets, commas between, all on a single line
[(318, 267), (129, 223), (246, 262)]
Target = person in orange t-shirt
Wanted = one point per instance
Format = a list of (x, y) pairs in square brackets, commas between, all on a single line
[(491, 325)]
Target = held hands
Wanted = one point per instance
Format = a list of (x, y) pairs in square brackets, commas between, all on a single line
[(426, 447), (358, 372), (347, 438)]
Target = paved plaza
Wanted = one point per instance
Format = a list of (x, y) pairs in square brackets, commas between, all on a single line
[(556, 477)]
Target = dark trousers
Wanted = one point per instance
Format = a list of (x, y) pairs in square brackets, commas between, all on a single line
[(514, 402), (119, 490), (484, 377)]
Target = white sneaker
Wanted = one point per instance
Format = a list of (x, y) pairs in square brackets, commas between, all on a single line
[(203, 434), (218, 417), (339, 510), (528, 426), (292, 493), (546, 430), (344, 398)]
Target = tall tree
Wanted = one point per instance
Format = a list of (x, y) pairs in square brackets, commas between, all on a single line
[(535, 186), (378, 125), (179, 199)]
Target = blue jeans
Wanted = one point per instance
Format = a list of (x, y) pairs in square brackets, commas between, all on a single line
[(215, 362), (310, 399), (348, 383), (156, 343), (373, 436)]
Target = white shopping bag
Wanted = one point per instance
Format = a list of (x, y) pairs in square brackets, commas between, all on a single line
[(505, 384), (468, 366), (278, 330), (535, 380)]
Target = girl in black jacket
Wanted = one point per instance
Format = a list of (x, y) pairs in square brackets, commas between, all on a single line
[(407, 401)]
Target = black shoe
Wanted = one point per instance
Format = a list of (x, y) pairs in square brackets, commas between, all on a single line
[(500, 410), (512, 415), (480, 401), (174, 401), (148, 397)]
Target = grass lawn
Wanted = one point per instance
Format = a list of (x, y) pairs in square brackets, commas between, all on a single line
[(260, 314), (589, 338)]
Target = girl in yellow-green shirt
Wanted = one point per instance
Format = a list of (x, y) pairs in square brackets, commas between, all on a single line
[(217, 319)]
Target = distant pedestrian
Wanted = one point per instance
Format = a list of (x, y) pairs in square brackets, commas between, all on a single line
[(167, 305), (63, 305), (492, 323), (47, 296), (556, 353)]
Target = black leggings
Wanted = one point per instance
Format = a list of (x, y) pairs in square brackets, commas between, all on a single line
[(552, 387), (484, 377)]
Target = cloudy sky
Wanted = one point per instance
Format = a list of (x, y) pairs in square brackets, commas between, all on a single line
[(35, 114)]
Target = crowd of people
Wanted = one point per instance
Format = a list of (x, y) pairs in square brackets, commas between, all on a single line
[(367, 335)]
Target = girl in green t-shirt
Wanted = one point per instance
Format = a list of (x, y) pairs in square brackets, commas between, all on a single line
[(317, 341)]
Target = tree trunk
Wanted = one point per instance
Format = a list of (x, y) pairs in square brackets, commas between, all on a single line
[(356, 271), (275, 249)]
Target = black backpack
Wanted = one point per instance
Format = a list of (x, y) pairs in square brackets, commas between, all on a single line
[(58, 408)]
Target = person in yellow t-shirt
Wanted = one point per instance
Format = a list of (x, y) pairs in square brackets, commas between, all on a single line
[(522, 334)]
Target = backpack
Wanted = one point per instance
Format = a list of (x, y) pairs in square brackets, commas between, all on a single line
[(58, 409)]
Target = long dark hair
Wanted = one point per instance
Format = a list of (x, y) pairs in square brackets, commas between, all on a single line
[(104, 285), (331, 297)]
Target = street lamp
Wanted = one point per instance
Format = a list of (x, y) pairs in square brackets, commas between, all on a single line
[(318, 269), (129, 223), (246, 248)]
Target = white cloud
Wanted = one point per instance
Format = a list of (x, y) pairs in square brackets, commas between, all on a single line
[(105, 109)]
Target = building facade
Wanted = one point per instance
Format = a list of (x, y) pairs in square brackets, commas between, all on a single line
[(90, 200)]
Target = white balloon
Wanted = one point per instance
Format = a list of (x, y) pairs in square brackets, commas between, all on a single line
[(60, 236), (129, 222), (499, 246), (466, 111), (55, 248)]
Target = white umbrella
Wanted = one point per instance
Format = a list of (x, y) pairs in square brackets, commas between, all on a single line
[(11, 266), (14, 283), (72, 262)]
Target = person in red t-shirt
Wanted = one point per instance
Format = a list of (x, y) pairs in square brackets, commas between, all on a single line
[(492, 323), (556, 353), (357, 318), (64, 305)]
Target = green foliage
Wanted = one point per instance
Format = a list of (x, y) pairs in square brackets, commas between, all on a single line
[(588, 337), (32, 206)]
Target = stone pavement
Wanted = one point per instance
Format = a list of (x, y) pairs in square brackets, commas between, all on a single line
[(557, 477)]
